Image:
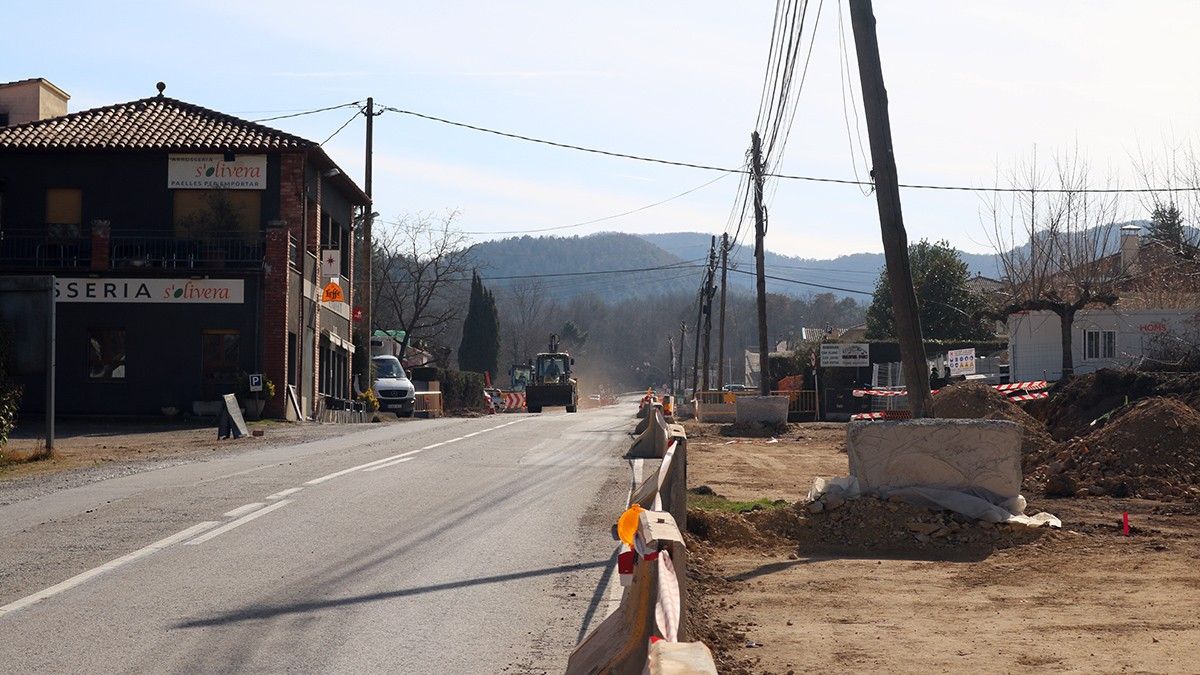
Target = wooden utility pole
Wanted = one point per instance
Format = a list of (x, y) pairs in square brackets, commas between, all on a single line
[(696, 348), (760, 232), (709, 291), (721, 323), (671, 365), (891, 221)]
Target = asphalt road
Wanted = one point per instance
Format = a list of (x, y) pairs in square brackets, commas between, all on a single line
[(437, 546)]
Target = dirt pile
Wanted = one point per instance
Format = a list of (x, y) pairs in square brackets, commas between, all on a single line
[(1149, 450), (1075, 404), (974, 400), (860, 527)]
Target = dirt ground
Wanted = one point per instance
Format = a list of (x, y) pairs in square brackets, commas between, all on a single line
[(1085, 598), (81, 445)]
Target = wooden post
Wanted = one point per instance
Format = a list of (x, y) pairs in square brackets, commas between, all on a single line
[(891, 221), (760, 232), (708, 298)]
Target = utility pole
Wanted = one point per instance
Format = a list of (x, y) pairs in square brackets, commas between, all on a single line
[(696, 348), (367, 324), (721, 326), (709, 290), (760, 232), (891, 221), (682, 342), (671, 365)]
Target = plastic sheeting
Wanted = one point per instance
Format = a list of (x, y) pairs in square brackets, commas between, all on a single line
[(980, 506)]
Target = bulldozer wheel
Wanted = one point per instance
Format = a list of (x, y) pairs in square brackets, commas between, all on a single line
[(535, 409), (570, 408)]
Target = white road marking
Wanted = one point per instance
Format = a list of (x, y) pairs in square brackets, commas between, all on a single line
[(392, 463), (435, 445), (106, 567), (343, 472), (239, 522), (242, 510), (283, 493)]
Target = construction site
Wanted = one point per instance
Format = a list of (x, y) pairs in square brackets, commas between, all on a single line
[(785, 576)]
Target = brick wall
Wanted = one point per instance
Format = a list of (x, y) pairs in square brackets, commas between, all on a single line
[(276, 298)]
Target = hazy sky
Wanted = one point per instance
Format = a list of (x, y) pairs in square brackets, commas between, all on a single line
[(972, 86)]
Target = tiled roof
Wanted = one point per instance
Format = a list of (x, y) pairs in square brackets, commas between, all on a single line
[(157, 123)]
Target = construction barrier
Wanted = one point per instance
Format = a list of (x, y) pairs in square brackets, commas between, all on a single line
[(514, 401), (427, 404), (802, 404), (1034, 385), (647, 632)]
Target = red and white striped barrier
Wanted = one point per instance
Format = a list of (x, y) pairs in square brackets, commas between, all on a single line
[(1030, 397), (867, 416), (514, 400), (1035, 385)]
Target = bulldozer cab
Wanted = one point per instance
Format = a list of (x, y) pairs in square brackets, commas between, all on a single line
[(553, 368)]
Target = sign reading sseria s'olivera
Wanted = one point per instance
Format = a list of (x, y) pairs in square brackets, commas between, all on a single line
[(162, 291), (213, 172)]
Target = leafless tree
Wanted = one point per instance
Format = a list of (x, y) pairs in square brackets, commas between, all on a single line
[(420, 263), (525, 310), (1170, 177), (1054, 243)]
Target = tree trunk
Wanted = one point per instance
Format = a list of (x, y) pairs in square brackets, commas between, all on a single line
[(1067, 318), (403, 348)]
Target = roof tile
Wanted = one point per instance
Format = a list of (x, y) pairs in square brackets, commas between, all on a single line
[(157, 123)]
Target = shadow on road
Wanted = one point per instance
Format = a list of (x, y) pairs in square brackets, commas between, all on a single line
[(255, 613)]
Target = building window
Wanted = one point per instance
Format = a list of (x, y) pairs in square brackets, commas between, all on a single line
[(202, 214), (64, 212), (1099, 344), (220, 361), (106, 354)]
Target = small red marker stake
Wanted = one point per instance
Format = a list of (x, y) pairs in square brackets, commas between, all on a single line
[(1125, 523)]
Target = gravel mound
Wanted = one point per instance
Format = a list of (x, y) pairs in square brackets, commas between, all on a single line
[(1150, 450), (974, 400)]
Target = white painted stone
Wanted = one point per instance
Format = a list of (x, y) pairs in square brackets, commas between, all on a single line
[(961, 455)]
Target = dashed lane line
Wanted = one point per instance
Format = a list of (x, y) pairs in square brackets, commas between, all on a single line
[(392, 463), (284, 493), (243, 510), (107, 567), (239, 522)]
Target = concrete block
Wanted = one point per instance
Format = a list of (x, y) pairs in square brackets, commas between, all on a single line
[(762, 409), (964, 455), (716, 412), (652, 443), (680, 658)]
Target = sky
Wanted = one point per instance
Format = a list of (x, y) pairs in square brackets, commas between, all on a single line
[(974, 88)]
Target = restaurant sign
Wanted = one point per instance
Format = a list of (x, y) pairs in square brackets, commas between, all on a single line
[(215, 172), (160, 291)]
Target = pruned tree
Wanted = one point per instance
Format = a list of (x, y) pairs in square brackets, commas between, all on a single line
[(1054, 242), (420, 263)]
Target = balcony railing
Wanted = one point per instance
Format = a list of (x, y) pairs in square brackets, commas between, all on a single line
[(135, 250)]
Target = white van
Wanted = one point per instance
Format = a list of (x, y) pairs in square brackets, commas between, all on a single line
[(392, 387)]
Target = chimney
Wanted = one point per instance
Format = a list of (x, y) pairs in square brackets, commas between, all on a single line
[(1130, 243), (31, 100)]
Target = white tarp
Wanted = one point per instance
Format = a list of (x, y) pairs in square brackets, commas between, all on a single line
[(971, 505)]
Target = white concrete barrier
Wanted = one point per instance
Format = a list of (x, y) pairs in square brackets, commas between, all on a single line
[(964, 455), (762, 409)]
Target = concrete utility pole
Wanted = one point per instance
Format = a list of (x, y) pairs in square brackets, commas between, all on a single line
[(760, 232), (682, 342), (709, 291), (671, 365), (721, 324), (891, 221), (368, 248)]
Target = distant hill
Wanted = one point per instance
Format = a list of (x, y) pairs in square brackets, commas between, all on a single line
[(669, 258)]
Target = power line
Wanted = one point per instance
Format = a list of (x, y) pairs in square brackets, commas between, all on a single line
[(811, 179), (307, 112), (806, 283), (547, 275), (346, 124), (613, 216)]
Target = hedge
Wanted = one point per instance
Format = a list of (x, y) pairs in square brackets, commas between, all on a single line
[(461, 390)]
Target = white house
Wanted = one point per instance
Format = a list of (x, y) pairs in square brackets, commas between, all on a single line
[(1103, 338)]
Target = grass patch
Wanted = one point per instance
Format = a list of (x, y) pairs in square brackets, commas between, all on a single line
[(14, 457), (715, 502)]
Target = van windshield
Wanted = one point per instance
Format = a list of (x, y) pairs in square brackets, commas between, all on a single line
[(389, 369)]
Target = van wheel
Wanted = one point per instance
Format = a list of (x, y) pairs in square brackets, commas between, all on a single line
[(570, 408)]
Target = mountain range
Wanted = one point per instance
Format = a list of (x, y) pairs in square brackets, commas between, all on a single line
[(672, 262)]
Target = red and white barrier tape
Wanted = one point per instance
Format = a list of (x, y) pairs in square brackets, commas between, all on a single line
[(1034, 385), (666, 607), (1030, 397)]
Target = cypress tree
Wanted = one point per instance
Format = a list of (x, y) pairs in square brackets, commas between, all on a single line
[(479, 350)]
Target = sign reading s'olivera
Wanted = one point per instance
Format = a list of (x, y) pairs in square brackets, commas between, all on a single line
[(212, 172), (159, 291)]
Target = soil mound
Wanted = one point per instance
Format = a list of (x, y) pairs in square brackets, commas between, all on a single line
[(975, 400), (1075, 404), (865, 527), (1150, 450)]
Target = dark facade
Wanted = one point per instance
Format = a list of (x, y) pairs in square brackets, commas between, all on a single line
[(187, 245)]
